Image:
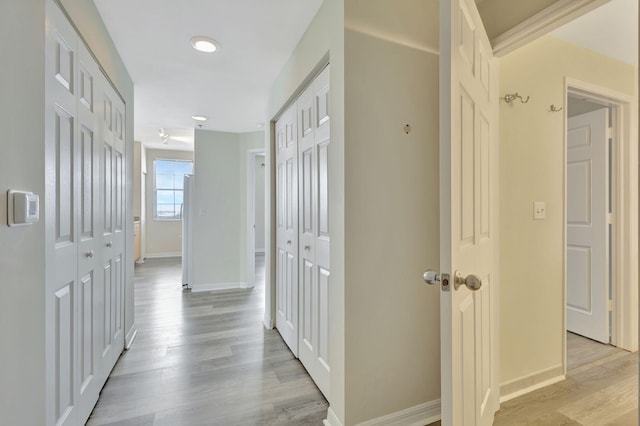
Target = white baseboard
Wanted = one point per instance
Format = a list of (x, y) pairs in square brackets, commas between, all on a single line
[(195, 288), (522, 385), (332, 419), (161, 255), (268, 323), (130, 337), (419, 415)]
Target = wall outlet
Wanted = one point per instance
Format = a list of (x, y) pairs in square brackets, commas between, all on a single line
[(539, 210)]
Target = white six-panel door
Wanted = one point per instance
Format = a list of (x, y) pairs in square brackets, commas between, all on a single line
[(76, 304), (587, 225), (287, 228), (112, 208), (313, 149), (468, 216), (302, 260)]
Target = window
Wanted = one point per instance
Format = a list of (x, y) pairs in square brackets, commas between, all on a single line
[(167, 187)]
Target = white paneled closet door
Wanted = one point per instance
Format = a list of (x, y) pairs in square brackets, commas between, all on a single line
[(302, 229), (313, 145), (71, 225), (287, 229), (112, 207), (75, 223)]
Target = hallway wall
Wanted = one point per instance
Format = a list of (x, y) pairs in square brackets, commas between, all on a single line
[(532, 163), (220, 225)]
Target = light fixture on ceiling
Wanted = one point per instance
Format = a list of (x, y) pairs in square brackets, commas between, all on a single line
[(204, 44), (164, 136), (199, 117)]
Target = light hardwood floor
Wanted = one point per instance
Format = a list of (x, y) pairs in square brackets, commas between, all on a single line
[(601, 389), (205, 359)]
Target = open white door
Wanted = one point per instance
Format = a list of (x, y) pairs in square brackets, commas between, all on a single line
[(587, 225), (468, 217)]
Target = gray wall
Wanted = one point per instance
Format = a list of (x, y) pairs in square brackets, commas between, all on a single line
[(219, 229)]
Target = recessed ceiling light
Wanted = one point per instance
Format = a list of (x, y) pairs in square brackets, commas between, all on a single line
[(204, 44), (199, 117)]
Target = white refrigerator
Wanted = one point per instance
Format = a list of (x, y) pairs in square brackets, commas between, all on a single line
[(187, 231)]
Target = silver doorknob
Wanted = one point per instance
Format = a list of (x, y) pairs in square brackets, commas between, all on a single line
[(431, 277), (110, 244), (89, 254), (307, 248), (289, 242), (471, 281)]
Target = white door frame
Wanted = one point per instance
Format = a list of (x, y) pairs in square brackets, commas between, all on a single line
[(251, 208), (624, 192)]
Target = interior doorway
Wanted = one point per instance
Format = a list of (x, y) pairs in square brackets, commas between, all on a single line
[(598, 226), (256, 214), (589, 218)]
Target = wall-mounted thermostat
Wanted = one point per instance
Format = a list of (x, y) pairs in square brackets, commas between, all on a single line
[(23, 208)]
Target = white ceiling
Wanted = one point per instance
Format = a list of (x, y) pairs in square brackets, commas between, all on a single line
[(173, 81), (611, 29)]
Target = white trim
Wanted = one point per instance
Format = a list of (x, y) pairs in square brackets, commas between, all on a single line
[(162, 255), (332, 419), (541, 23), (219, 286), (420, 415), (625, 198), (268, 323), (130, 337), (259, 251), (523, 385), (251, 211)]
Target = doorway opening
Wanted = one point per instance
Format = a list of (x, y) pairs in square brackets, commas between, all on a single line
[(599, 227), (256, 167)]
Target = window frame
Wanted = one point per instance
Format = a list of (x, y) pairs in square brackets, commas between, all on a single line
[(155, 187)]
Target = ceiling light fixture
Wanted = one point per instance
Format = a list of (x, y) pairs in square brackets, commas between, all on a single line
[(164, 136), (199, 117), (204, 44)]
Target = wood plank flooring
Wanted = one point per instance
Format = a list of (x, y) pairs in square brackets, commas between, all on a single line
[(601, 389), (205, 359)]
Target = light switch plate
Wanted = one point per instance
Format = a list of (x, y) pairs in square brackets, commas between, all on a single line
[(539, 210)]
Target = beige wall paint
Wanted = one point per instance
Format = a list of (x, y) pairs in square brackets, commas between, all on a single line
[(220, 226), (392, 224), (322, 41), (163, 237), (532, 169)]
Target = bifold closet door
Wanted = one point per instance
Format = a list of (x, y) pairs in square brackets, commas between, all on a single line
[(84, 221), (313, 146), (302, 229), (73, 225), (112, 180), (287, 229)]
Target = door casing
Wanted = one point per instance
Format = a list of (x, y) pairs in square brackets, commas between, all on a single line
[(624, 193)]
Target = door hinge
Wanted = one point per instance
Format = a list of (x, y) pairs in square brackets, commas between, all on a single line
[(610, 218), (610, 305)]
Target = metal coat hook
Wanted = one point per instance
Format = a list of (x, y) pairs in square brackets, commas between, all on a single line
[(554, 108), (510, 97)]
